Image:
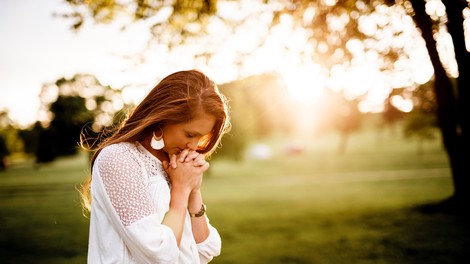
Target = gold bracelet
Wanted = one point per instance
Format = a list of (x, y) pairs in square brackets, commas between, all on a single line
[(201, 212)]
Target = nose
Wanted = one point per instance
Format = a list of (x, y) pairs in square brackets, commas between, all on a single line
[(192, 144)]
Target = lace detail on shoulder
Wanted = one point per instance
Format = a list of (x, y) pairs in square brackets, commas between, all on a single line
[(124, 183), (153, 166)]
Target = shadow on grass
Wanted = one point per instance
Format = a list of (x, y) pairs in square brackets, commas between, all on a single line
[(450, 206), (403, 235), (428, 233)]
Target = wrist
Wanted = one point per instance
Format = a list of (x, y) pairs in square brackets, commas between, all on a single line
[(199, 213), (179, 197), (194, 201), (180, 190), (195, 192)]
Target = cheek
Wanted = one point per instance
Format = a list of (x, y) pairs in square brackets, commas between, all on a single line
[(175, 140)]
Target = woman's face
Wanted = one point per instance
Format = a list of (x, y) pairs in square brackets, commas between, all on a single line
[(187, 135)]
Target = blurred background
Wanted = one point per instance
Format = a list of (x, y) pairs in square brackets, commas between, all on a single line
[(350, 139)]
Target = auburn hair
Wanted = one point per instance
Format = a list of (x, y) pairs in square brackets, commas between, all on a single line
[(177, 98)]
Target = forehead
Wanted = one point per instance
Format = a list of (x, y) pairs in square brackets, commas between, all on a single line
[(201, 124)]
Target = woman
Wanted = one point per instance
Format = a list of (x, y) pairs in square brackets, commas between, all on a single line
[(146, 201)]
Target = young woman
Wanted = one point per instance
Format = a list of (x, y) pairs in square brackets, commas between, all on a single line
[(146, 201)]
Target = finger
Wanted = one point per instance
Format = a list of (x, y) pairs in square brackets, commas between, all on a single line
[(165, 165), (191, 156), (173, 161), (206, 166), (183, 154), (199, 161)]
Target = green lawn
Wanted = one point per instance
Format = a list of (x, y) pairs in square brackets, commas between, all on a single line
[(317, 207)]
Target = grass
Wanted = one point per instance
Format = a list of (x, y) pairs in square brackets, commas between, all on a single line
[(40, 215), (316, 207)]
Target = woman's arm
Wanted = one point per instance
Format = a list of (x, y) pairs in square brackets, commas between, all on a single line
[(175, 216), (199, 225), (205, 235), (185, 178)]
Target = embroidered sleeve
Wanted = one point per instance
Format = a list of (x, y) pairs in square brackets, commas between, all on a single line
[(124, 183)]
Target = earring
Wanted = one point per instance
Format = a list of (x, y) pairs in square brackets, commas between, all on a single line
[(157, 143)]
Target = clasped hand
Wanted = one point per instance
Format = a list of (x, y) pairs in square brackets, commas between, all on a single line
[(186, 169)]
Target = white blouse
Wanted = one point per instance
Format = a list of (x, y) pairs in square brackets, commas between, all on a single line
[(130, 196)]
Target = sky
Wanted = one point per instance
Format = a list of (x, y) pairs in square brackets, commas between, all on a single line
[(38, 48)]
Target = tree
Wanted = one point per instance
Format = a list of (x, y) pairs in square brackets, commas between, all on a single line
[(421, 123), (452, 99), (391, 115), (340, 35), (345, 117), (30, 138), (451, 103), (9, 139), (70, 115), (3, 153), (71, 106), (421, 126)]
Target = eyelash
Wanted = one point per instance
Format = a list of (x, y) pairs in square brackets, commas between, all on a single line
[(190, 135)]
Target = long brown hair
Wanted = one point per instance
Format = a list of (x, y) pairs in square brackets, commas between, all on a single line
[(177, 98)]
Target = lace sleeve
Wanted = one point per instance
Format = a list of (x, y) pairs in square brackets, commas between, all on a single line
[(124, 183)]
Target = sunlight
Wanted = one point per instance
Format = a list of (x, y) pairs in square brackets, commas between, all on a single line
[(280, 53), (403, 104), (304, 83), (305, 86), (445, 46), (252, 47), (466, 26)]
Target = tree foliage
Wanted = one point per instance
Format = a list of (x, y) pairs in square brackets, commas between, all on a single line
[(340, 34), (68, 107), (175, 22), (98, 103), (11, 142), (422, 122)]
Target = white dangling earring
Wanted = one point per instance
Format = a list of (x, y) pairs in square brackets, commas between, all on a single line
[(157, 143)]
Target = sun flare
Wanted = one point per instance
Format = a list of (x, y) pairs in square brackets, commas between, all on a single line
[(305, 84)]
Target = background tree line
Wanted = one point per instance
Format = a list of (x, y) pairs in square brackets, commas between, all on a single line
[(331, 25), (260, 108)]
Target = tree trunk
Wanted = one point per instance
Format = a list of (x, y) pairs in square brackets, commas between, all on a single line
[(447, 110), (454, 9)]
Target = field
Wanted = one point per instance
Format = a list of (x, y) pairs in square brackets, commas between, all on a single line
[(314, 207)]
